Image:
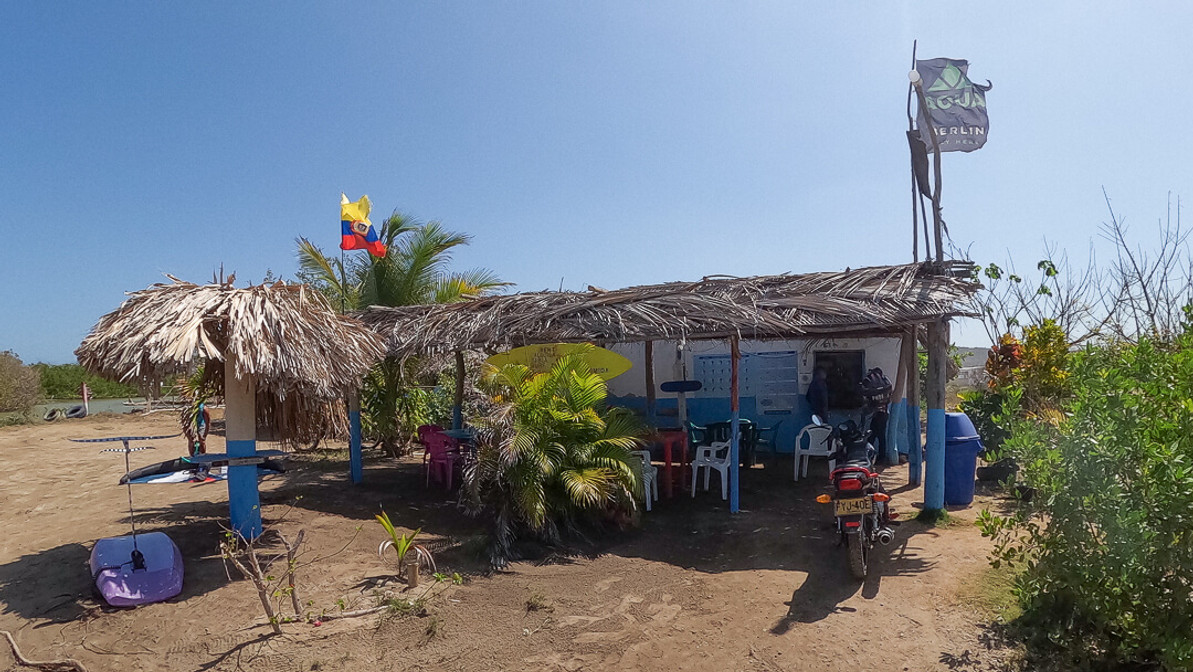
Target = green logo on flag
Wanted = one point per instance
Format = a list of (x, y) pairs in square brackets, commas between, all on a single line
[(951, 79)]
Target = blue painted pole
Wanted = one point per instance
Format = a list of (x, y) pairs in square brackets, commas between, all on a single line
[(915, 454), (735, 434), (355, 456), (915, 448), (240, 426), (934, 474), (934, 449)]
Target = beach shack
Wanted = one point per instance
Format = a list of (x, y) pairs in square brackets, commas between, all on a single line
[(752, 342), (773, 380), (280, 356)]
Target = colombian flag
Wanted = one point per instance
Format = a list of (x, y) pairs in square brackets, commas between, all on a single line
[(356, 231)]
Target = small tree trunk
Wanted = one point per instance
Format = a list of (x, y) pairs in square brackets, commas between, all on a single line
[(253, 573), (291, 566)]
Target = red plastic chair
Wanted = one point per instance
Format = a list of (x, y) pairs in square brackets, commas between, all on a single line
[(423, 430), (421, 433), (442, 453)]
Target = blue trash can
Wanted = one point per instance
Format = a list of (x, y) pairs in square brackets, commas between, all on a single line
[(961, 447)]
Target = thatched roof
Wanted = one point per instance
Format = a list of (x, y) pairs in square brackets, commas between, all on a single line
[(866, 300), (286, 336)]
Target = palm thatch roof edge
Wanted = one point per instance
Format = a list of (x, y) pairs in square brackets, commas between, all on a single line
[(877, 299)]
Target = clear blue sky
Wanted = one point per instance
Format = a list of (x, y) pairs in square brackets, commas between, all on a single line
[(605, 143)]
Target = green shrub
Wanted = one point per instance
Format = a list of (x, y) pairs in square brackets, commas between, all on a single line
[(20, 387), (394, 403), (557, 457), (984, 408), (65, 381), (1106, 545)]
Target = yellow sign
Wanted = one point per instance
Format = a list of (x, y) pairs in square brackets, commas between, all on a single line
[(540, 358)]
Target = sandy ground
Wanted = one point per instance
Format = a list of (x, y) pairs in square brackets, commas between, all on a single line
[(694, 588)]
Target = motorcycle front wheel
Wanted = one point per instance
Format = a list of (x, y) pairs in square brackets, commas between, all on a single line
[(858, 555)]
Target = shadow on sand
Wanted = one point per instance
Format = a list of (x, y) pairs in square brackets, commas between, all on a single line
[(781, 527)]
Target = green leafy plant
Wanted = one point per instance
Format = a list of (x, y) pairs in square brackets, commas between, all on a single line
[(556, 456), (402, 544), (1104, 545), (1043, 369)]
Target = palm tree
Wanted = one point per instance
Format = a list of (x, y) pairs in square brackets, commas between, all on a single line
[(558, 456), (415, 270)]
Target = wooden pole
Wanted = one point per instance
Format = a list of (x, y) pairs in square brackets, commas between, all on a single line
[(458, 405), (895, 413), (938, 339), (735, 440), (915, 454), (681, 399), (240, 426), (915, 234), (650, 398), (926, 118)]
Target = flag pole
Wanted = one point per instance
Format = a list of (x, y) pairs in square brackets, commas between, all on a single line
[(343, 285), (918, 83), (915, 223)]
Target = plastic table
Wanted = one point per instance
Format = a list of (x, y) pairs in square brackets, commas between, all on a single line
[(672, 438)]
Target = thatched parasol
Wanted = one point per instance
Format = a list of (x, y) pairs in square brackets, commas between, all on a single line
[(880, 299), (286, 337)]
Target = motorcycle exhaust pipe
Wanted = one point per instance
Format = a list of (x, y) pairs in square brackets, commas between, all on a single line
[(885, 536)]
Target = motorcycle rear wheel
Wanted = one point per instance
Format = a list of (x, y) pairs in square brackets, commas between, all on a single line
[(858, 555)]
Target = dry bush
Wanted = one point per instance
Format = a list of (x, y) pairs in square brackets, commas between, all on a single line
[(20, 385)]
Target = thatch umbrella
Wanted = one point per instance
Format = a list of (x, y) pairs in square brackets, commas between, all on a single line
[(281, 345)]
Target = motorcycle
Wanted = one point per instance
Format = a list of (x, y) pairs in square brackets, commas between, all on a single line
[(861, 507)]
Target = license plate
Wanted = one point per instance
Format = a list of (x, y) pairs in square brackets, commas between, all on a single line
[(853, 507)]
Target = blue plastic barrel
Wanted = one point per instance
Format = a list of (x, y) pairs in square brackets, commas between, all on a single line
[(961, 447)]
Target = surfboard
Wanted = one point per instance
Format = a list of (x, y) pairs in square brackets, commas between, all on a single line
[(540, 358)]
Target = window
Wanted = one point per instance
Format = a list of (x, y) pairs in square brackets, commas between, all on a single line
[(845, 370)]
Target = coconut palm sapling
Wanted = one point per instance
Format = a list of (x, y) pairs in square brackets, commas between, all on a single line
[(553, 457)]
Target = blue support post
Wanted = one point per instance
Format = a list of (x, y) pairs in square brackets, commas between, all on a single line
[(244, 501), (735, 433), (240, 428), (355, 457), (934, 474), (735, 464), (915, 446), (934, 449), (915, 454)]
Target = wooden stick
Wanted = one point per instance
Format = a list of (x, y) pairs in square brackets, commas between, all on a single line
[(291, 567), (936, 220), (649, 346), (458, 404), (52, 665)]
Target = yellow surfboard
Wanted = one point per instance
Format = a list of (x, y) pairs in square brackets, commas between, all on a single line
[(540, 358)]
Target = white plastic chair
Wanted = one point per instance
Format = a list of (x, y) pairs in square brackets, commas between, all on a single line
[(706, 456), (817, 447), (650, 476)]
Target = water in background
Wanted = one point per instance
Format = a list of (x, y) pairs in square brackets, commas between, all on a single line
[(97, 406)]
